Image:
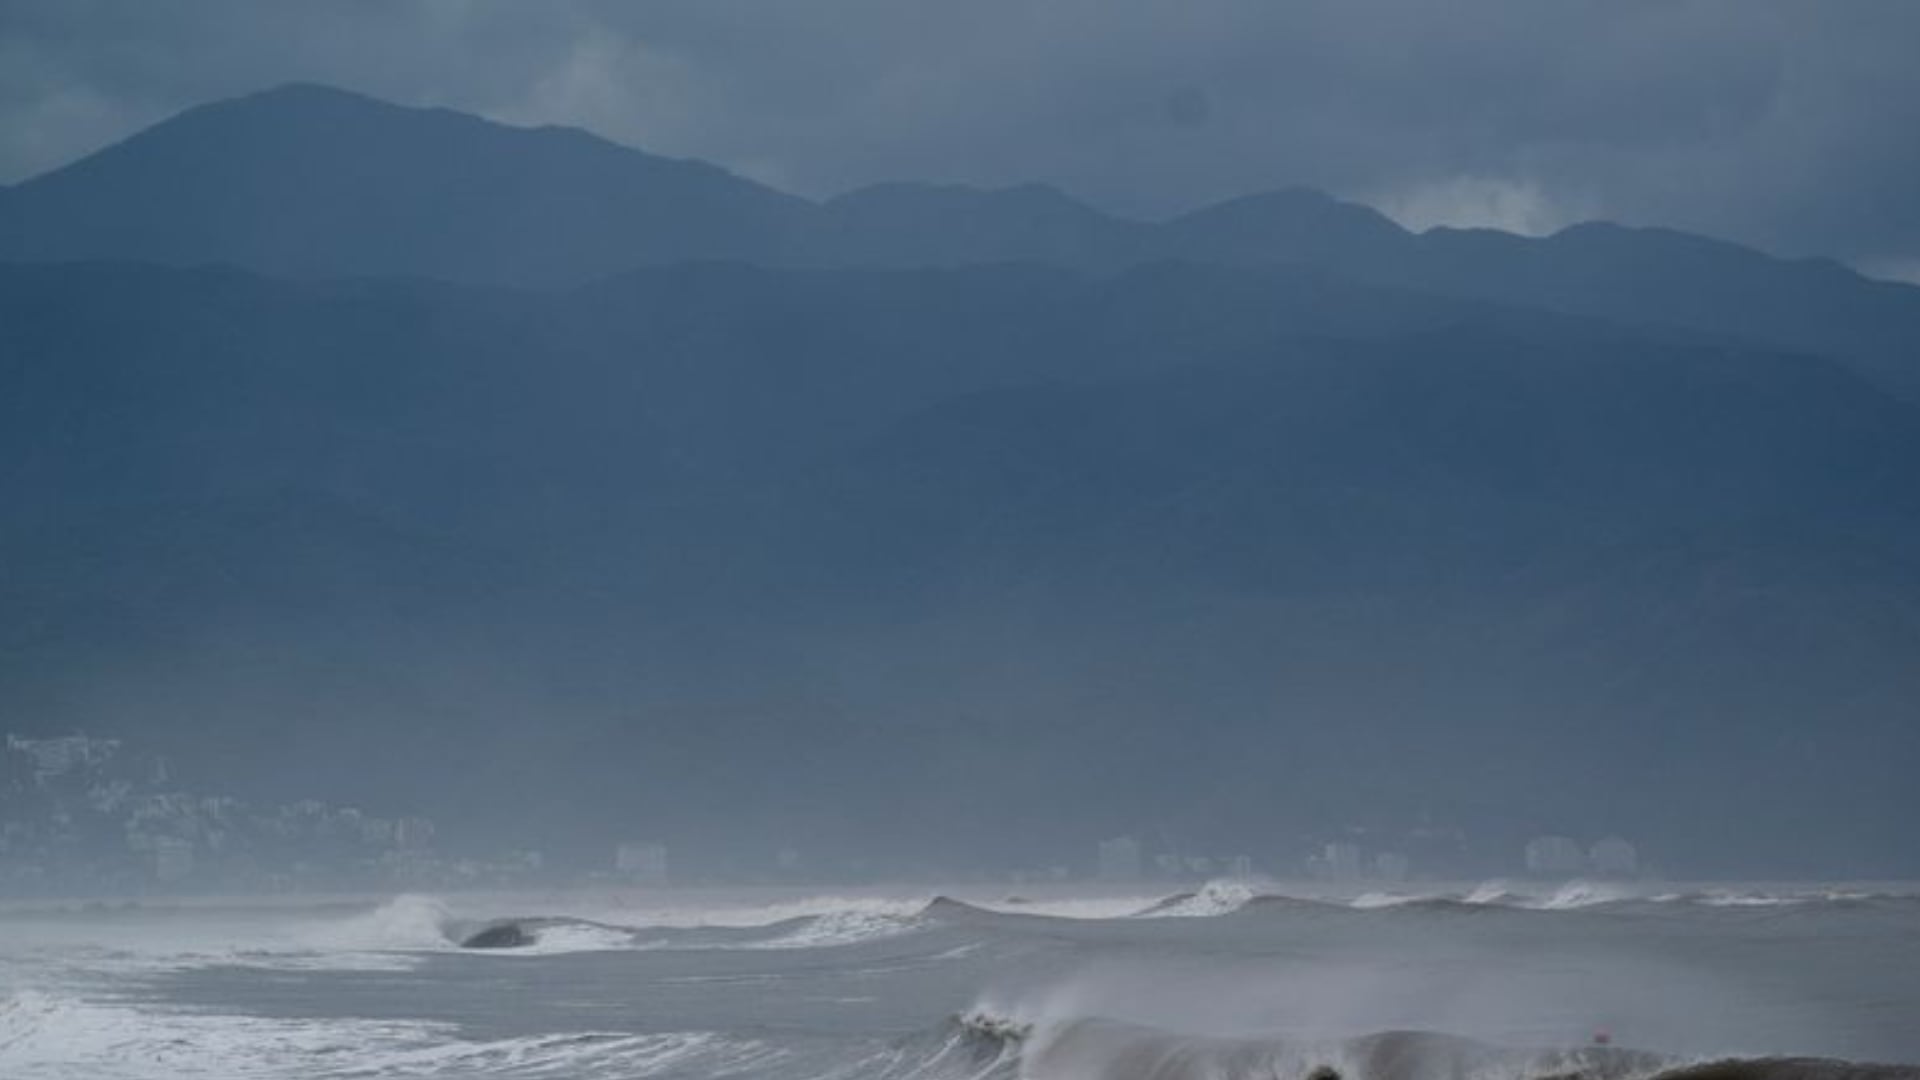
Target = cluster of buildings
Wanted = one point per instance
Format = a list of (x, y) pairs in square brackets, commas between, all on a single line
[(86, 815), (1124, 859), (1342, 861), (1560, 856), (641, 863), (81, 814)]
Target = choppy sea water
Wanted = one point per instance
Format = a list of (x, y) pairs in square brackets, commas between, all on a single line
[(1233, 980)]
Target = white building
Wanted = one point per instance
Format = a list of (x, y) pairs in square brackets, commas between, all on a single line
[(1119, 859), (1391, 866), (1339, 862), (644, 863), (64, 753), (413, 834), (1614, 857), (1549, 856), (172, 859)]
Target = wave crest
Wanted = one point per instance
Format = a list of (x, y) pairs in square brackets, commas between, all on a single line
[(1220, 897)]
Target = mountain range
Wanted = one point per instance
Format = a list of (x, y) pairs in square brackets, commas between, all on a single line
[(312, 181), (343, 438)]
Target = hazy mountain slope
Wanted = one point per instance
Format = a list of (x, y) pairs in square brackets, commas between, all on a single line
[(702, 529), (1672, 278), (1538, 570), (309, 180), (316, 182)]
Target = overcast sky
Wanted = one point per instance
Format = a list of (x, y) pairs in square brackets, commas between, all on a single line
[(1791, 126)]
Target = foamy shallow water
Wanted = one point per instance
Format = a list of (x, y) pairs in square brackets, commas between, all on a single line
[(1228, 979)]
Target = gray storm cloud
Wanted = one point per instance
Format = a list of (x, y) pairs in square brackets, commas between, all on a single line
[(1785, 125)]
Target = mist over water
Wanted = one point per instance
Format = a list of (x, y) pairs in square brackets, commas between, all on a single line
[(1252, 982)]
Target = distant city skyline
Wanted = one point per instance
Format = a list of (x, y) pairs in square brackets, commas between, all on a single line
[(84, 814)]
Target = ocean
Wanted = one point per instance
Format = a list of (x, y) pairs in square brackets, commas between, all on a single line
[(1230, 980)]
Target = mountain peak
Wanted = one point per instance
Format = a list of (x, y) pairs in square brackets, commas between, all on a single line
[(296, 102), (1294, 223), (309, 91), (312, 180), (1293, 204)]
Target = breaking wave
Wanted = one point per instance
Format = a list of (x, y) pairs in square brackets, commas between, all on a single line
[(1244, 965), (44, 1036), (48, 1035), (838, 928), (1217, 898), (409, 921), (421, 924), (1093, 1047), (415, 924), (1213, 898)]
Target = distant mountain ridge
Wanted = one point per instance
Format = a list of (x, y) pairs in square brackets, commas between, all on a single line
[(312, 181)]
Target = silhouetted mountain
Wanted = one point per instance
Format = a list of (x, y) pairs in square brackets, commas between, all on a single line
[(1298, 225), (309, 180), (1255, 533), (317, 182)]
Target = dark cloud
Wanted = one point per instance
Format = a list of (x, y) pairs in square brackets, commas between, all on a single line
[(1788, 125)]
